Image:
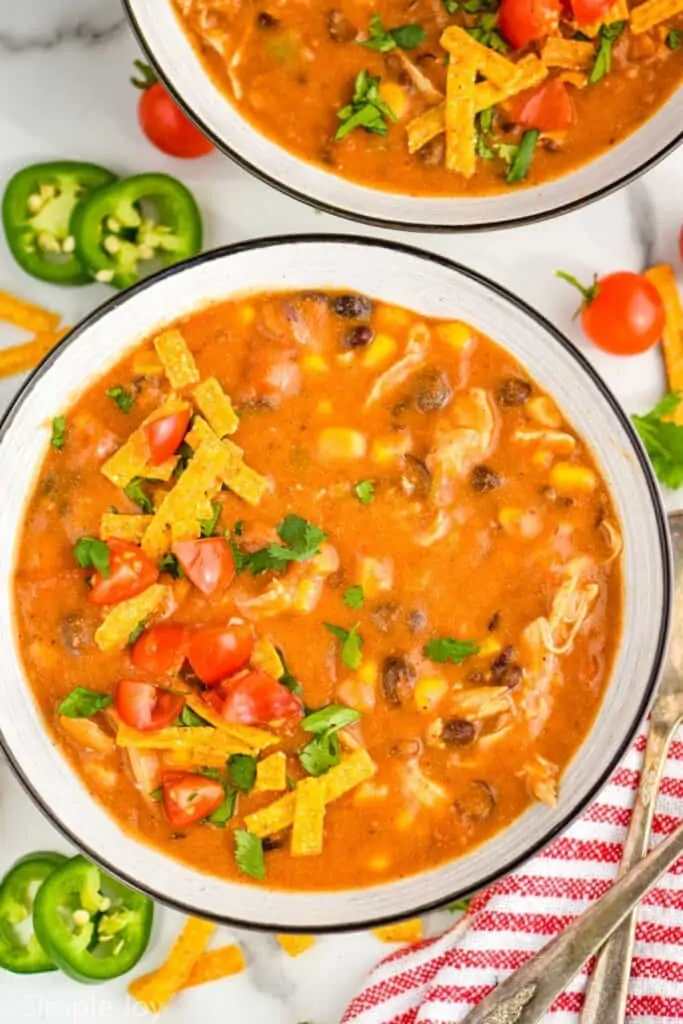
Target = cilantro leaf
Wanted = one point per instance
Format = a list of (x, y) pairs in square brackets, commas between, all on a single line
[(603, 59), (302, 537), (190, 719), (242, 771), (486, 33), (83, 703), (58, 439), (303, 540), (225, 811), (663, 440), (249, 854), (674, 39), (451, 6), (407, 37), (322, 753), (330, 718), (287, 679), (91, 552), (523, 157), (366, 110), (122, 396), (136, 492), (458, 906), (351, 646), (157, 794), (447, 648), (364, 491), (208, 526), (171, 565), (354, 597), (137, 632)]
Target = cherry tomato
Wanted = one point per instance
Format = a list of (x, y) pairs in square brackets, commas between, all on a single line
[(217, 652), (522, 21), (208, 563), (162, 120), (587, 11), (621, 313), (146, 707), (549, 108), (256, 698), (130, 572), (165, 434), (161, 650), (190, 798)]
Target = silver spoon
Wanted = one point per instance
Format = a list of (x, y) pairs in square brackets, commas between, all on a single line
[(608, 986), (527, 994)]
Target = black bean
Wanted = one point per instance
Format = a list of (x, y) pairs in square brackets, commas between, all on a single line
[(416, 480), (477, 801), (494, 622), (483, 478), (272, 843), (502, 661), (416, 620), (513, 391), (396, 673), (432, 389), (511, 676), (352, 307), (458, 732), (265, 20), (339, 28), (384, 615), (358, 337), (432, 153), (406, 749)]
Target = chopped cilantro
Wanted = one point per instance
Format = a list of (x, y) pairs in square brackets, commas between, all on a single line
[(287, 679), (324, 750), (303, 541), (486, 33), (451, 6), (91, 552), (663, 440), (242, 771), (136, 492), (364, 491), (171, 565), (354, 597), (225, 811), (137, 632), (407, 37), (351, 646), (58, 438), (190, 719), (208, 526), (674, 39), (331, 717), (366, 110), (523, 157), (458, 906), (83, 703), (156, 794), (447, 648), (603, 59), (249, 854), (122, 396)]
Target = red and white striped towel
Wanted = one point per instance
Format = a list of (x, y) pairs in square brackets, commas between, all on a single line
[(440, 980)]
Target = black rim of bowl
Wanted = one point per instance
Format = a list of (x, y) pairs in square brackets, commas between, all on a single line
[(383, 222), (665, 549)]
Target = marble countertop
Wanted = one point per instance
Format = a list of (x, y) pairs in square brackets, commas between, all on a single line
[(64, 92)]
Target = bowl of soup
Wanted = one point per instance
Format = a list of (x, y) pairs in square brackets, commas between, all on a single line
[(335, 583), (438, 114)]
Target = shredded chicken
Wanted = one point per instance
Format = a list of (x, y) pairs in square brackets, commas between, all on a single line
[(542, 778), (416, 350), (481, 702), (423, 84), (298, 591), (459, 450), (614, 539), (557, 441), (87, 734), (146, 770), (420, 789), (437, 529)]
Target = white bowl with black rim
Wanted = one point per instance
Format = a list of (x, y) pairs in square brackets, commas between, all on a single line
[(435, 287), (169, 50)]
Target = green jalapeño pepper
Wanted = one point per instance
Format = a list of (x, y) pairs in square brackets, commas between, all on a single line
[(135, 226), (20, 950), (93, 927), (36, 214)]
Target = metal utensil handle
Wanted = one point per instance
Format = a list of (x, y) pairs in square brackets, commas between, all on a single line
[(607, 988), (528, 993)]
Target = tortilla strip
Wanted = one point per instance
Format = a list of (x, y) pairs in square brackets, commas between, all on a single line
[(619, 11), (20, 358), (652, 12), (27, 316), (216, 964), (194, 740), (258, 739), (176, 358), (295, 945), (570, 54), (461, 136), (155, 990), (240, 478), (279, 815), (114, 633), (132, 458), (216, 407), (309, 818), (186, 529), (664, 280), (123, 527), (402, 931), (460, 45), (265, 657), (271, 774), (576, 78)]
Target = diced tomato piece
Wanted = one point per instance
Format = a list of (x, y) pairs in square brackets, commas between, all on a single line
[(130, 572), (258, 699), (587, 11), (207, 563), (522, 21), (165, 434), (161, 650), (145, 706), (549, 108), (190, 798), (217, 652), (214, 700)]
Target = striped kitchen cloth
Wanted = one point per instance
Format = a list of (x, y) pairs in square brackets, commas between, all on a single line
[(440, 980)]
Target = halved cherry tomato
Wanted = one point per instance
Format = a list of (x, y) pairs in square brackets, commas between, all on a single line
[(208, 563), (256, 698), (161, 650), (549, 108), (587, 11), (130, 572), (165, 434), (217, 652), (214, 700), (621, 313), (522, 21), (146, 707), (190, 798)]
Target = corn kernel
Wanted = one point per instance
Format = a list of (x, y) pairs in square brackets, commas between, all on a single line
[(324, 407), (146, 364), (429, 691), (246, 314), (568, 478), (341, 443), (544, 411), (376, 575), (387, 449), (489, 647), (315, 363), (455, 334), (522, 524), (509, 517), (265, 657), (394, 96), (380, 862), (368, 673), (542, 458), (380, 351), (388, 318), (404, 820)]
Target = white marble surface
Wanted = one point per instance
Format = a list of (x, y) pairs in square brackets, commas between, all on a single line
[(64, 68)]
